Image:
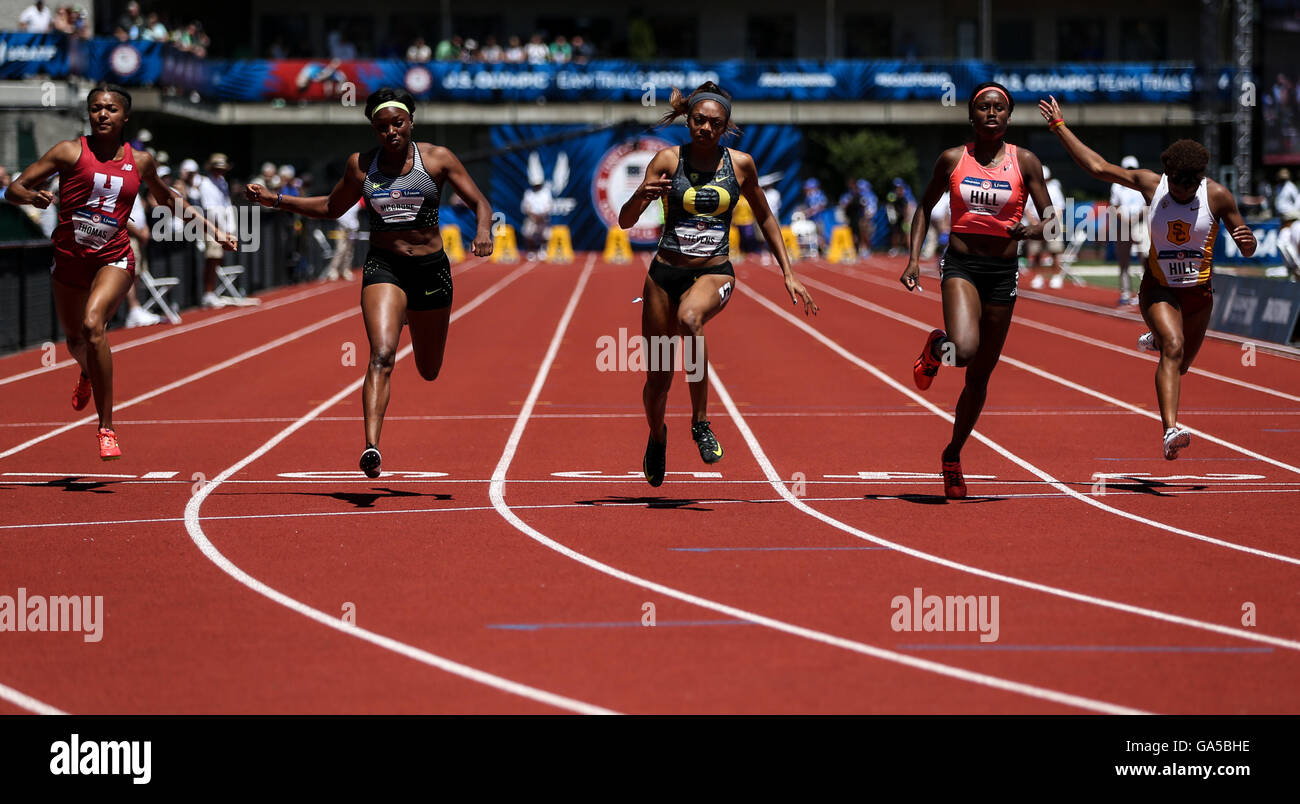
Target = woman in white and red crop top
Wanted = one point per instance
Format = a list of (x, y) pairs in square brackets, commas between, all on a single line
[(988, 181), (1184, 209)]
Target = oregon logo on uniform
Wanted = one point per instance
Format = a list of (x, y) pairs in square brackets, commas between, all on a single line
[(1179, 232), (708, 199)]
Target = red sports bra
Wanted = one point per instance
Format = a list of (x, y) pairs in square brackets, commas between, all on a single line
[(986, 200)]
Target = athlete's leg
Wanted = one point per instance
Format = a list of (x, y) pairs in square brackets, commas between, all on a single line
[(961, 319), (658, 324), (383, 306), (106, 291), (698, 306), (993, 326), (429, 339), (70, 304), (1166, 322), (1195, 322)]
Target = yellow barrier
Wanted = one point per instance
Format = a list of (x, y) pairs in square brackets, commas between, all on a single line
[(618, 248), (841, 249), (733, 244), (504, 246), (791, 243), (559, 246), (452, 244)]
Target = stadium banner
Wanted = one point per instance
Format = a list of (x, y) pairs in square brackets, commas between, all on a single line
[(592, 172), (614, 80), (1257, 308), (23, 55), (1266, 232)]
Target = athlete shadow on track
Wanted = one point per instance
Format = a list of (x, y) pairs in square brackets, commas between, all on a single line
[(648, 502), (929, 499), (71, 484), (1139, 485), (362, 499)]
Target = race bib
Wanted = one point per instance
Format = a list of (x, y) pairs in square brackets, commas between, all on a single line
[(985, 196), (1182, 268), (700, 237), (396, 206), (93, 229)]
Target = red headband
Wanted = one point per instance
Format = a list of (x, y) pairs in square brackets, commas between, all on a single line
[(995, 89)]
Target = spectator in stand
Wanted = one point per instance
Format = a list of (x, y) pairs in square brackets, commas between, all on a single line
[(491, 52), (289, 185), (340, 266), (120, 34), (268, 178), (131, 21), (277, 50), (814, 204), (536, 51), (583, 51), (1286, 197), (448, 49), (341, 46), (186, 183), (561, 51), (419, 51), (154, 30), (514, 51), (469, 53), (900, 205), (61, 23), (36, 18)]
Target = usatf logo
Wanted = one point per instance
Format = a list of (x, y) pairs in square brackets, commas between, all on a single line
[(395, 194), (986, 185)]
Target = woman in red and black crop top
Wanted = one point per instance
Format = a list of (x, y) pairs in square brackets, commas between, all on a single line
[(988, 181)]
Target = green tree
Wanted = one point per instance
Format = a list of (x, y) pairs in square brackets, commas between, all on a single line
[(870, 155)]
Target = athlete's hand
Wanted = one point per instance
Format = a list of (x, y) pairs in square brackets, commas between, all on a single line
[(42, 199), (911, 277), (798, 293), (228, 241), (1245, 239), (259, 194), (482, 246), (654, 189), (1050, 109), (1020, 231)]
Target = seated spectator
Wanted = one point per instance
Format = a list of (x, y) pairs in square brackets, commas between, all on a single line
[(288, 184), (131, 21), (561, 51), (268, 178), (419, 51), (583, 51), (36, 18), (536, 51), (448, 49), (120, 34), (469, 52), (491, 52), (514, 53), (154, 30)]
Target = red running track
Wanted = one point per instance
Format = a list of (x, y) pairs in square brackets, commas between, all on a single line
[(227, 573)]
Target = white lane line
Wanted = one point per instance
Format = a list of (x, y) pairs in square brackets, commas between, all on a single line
[(177, 330), (497, 494), (774, 479), (588, 506), (194, 526), (1047, 375), (1081, 338), (24, 701), (998, 448), (198, 375)]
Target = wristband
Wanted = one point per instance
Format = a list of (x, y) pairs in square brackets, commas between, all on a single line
[(1055, 123), (278, 198)]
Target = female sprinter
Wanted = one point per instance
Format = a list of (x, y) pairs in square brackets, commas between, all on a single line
[(691, 278), (99, 178), (1184, 210), (406, 275), (987, 181)]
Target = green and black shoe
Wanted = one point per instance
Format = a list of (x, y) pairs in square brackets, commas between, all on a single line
[(654, 464), (710, 449)]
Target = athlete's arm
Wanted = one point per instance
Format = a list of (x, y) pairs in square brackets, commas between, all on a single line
[(747, 174), (25, 188), (1224, 207), (1048, 217), (147, 168), (1144, 181), (658, 178), (465, 187), (346, 193), (943, 168)]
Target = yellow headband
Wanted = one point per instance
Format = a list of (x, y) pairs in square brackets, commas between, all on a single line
[(386, 104)]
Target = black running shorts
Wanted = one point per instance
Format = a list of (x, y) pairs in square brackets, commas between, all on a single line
[(994, 278), (676, 281), (426, 279)]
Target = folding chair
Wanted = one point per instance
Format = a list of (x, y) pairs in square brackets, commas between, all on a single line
[(229, 294), (158, 287)]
